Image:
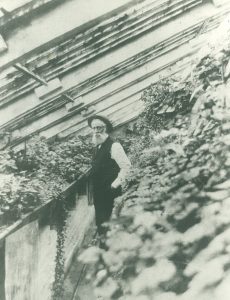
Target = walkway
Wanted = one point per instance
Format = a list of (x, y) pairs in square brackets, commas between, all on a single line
[(85, 289)]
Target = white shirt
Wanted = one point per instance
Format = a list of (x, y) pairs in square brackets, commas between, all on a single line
[(120, 157)]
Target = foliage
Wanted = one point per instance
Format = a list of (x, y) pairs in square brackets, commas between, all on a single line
[(39, 173), (7, 164), (18, 194), (163, 101), (72, 158), (169, 238), (67, 159)]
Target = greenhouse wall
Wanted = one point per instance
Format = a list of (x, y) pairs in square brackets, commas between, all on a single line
[(29, 255)]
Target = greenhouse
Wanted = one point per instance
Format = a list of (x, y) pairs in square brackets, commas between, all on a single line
[(159, 71)]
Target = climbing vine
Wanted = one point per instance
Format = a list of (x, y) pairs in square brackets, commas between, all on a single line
[(59, 217)]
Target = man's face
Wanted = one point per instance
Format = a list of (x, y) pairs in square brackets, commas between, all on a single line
[(99, 131)]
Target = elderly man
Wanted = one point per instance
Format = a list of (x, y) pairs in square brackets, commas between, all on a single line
[(110, 166)]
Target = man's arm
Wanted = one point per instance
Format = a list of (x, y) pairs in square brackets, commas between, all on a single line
[(119, 155)]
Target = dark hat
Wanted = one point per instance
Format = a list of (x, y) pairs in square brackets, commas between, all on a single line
[(109, 125)]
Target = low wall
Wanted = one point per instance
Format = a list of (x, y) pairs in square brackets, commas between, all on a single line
[(33, 260)]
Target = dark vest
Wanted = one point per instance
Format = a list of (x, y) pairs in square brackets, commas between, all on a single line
[(104, 169)]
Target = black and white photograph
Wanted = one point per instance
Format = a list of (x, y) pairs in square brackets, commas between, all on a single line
[(114, 149)]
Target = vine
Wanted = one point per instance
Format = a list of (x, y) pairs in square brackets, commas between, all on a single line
[(60, 213)]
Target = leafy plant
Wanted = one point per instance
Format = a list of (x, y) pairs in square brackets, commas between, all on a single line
[(163, 101), (169, 235), (40, 173)]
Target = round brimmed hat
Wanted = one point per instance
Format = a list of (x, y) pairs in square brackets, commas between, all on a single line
[(109, 125)]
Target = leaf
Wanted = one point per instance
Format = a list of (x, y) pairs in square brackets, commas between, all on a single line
[(227, 70), (149, 278), (107, 289), (218, 196), (223, 288), (90, 255), (178, 149), (124, 241), (223, 185), (145, 219), (170, 109), (198, 232), (196, 92), (113, 261), (226, 139), (101, 276), (226, 126), (227, 162), (211, 273), (162, 110), (191, 174)]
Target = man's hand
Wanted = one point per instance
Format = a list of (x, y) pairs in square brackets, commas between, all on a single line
[(114, 185)]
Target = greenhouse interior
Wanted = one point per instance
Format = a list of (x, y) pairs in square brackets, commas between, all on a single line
[(159, 71)]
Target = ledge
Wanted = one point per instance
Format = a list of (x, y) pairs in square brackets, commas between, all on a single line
[(26, 219)]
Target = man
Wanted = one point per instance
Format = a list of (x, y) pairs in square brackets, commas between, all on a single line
[(110, 166)]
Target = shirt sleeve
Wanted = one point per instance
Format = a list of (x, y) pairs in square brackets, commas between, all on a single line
[(119, 155)]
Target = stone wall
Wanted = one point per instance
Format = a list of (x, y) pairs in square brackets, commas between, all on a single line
[(30, 253)]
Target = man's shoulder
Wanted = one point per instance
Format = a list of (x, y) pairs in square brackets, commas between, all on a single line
[(116, 142), (116, 146)]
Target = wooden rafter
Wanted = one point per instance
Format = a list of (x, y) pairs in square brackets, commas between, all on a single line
[(30, 73), (67, 97)]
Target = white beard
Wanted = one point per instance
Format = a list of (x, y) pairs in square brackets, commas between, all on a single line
[(99, 138)]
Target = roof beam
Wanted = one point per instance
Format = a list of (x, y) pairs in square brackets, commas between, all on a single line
[(30, 73)]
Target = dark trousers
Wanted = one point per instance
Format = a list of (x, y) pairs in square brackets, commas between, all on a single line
[(103, 203)]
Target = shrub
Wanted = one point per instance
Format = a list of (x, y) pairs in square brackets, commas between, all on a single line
[(39, 173)]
